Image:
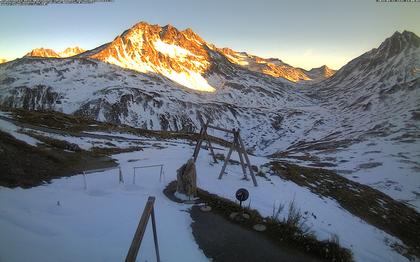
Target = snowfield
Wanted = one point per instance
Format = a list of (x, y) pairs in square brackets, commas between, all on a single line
[(63, 221)]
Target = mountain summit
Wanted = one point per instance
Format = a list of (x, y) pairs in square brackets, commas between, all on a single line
[(42, 52), (46, 52), (181, 56)]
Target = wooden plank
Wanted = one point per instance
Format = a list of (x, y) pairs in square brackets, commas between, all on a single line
[(141, 228), (247, 161)]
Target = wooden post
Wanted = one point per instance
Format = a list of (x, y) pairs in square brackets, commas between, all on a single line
[(120, 175), (197, 146), (84, 180), (155, 238), (247, 160), (200, 142), (239, 149), (141, 229), (211, 148), (227, 157)]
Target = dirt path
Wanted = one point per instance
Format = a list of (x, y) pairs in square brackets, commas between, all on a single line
[(223, 240)]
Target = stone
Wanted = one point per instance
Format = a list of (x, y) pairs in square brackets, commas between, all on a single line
[(187, 179), (205, 208), (259, 227)]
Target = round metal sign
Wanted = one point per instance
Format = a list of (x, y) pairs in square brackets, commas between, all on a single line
[(242, 194)]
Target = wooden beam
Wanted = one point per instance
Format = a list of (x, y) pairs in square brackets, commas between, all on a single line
[(254, 180), (239, 150), (211, 147), (198, 145), (222, 129), (155, 238), (226, 160), (141, 228)]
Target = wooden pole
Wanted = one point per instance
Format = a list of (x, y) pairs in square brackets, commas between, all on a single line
[(247, 160), (84, 180), (211, 147), (198, 145), (120, 175), (227, 158), (141, 229), (239, 149), (155, 238)]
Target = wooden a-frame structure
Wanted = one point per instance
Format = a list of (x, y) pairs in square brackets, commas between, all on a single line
[(237, 145)]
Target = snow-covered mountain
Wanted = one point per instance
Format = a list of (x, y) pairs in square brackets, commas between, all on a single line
[(42, 52), (376, 98), (46, 52), (71, 51), (162, 78), (276, 67), (320, 73)]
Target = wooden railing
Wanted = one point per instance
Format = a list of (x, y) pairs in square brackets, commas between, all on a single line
[(141, 228)]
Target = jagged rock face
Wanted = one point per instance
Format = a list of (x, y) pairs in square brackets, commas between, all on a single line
[(42, 52), (275, 67), (182, 56)]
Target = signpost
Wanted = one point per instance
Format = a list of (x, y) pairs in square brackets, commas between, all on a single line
[(242, 195)]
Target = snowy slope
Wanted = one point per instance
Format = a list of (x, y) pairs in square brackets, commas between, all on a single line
[(60, 218), (109, 93), (376, 98)]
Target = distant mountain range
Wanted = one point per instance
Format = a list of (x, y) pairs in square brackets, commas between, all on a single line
[(162, 78), (138, 49), (45, 52)]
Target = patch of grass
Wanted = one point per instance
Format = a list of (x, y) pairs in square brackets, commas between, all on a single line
[(369, 204), (72, 124), (22, 165)]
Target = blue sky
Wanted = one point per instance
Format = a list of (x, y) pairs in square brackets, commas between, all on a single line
[(304, 33)]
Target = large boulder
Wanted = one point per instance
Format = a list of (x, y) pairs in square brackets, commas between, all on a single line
[(187, 179)]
